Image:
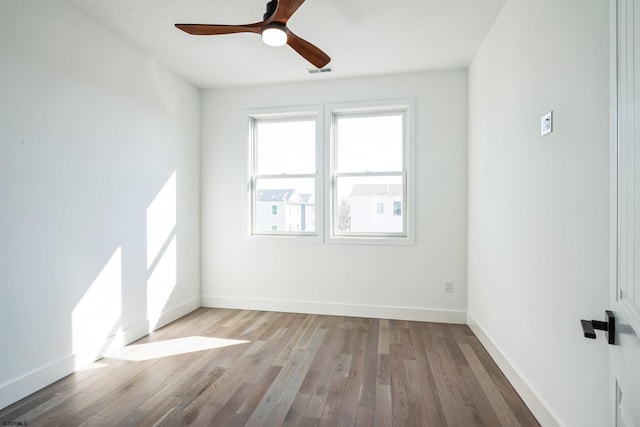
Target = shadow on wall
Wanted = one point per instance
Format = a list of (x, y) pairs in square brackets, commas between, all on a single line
[(96, 321)]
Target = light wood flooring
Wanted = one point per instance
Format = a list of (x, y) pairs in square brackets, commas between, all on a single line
[(255, 368)]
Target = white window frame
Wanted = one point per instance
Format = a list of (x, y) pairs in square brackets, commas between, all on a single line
[(284, 114), (324, 178), (407, 107)]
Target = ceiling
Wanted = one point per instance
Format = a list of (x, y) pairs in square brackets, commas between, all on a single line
[(363, 37)]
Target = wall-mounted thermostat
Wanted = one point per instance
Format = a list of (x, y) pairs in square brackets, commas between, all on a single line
[(546, 123)]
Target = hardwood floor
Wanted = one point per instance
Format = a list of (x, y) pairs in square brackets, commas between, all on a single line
[(217, 367)]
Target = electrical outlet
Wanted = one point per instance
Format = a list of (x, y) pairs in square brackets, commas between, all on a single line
[(448, 286)]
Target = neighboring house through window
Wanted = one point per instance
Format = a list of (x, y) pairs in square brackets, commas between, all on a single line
[(285, 206), (372, 207)]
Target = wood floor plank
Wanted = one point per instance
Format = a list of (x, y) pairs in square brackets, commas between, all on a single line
[(295, 415), (262, 385), (285, 386), (383, 338), (490, 390), (431, 399), (369, 370), (328, 364), (522, 413), (414, 395), (230, 408), (98, 395), (353, 386), (445, 387), (333, 401), (156, 415), (384, 369), (287, 369), (124, 406), (480, 409), (382, 415), (400, 412)]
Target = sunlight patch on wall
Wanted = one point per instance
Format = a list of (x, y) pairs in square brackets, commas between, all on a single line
[(96, 318), (161, 219), (174, 347), (161, 251), (161, 283)]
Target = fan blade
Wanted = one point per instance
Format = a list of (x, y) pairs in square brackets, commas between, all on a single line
[(211, 30), (308, 51), (285, 9)]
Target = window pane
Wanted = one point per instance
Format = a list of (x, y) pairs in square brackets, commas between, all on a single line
[(369, 204), (372, 144), (286, 147), (285, 205)]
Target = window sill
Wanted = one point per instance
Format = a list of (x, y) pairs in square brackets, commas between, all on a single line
[(284, 238), (372, 240)]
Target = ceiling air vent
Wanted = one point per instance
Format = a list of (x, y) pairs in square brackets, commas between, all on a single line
[(319, 70)]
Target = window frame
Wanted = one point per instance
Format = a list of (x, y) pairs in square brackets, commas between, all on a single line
[(372, 109), (325, 180), (284, 115)]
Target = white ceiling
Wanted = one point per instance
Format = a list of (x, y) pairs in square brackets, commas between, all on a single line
[(363, 37)]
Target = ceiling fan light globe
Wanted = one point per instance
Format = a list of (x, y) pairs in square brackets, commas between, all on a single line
[(274, 36)]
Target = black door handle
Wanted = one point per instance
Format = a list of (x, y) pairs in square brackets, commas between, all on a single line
[(589, 327)]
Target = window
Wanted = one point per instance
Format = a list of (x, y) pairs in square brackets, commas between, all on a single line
[(351, 174), (283, 173), (368, 152)]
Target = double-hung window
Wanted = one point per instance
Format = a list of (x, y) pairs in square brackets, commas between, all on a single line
[(344, 176), (284, 173), (368, 170)]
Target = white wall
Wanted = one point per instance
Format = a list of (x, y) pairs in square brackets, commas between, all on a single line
[(538, 206), (392, 281), (91, 131)]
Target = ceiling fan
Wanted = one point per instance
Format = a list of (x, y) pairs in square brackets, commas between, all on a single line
[(273, 29)]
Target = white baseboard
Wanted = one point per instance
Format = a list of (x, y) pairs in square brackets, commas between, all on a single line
[(122, 338), (19, 388), (175, 313), (531, 398), (134, 333), (336, 309)]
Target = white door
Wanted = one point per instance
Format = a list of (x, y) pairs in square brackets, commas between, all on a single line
[(625, 213)]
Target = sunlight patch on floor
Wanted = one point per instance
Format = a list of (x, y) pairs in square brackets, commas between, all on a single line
[(92, 366), (156, 350)]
